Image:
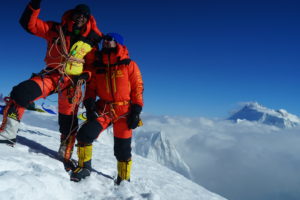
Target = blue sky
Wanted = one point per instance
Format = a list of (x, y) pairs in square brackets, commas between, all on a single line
[(197, 57)]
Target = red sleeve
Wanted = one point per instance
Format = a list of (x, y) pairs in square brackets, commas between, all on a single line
[(136, 82), (32, 24)]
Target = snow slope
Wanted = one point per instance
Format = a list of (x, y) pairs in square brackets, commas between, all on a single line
[(157, 147), (31, 170), (253, 111)]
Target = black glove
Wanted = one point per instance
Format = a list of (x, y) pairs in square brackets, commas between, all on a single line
[(92, 39), (35, 4), (84, 76), (133, 117), (91, 111)]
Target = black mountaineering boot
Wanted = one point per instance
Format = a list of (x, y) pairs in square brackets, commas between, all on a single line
[(84, 167), (124, 168)]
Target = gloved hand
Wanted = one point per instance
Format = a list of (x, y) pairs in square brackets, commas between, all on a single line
[(35, 4), (91, 112), (92, 39), (84, 76), (133, 117)]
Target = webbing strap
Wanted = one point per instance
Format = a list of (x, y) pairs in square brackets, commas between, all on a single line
[(112, 112), (120, 103)]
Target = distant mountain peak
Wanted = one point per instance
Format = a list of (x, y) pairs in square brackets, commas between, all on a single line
[(157, 147), (253, 111), (253, 104)]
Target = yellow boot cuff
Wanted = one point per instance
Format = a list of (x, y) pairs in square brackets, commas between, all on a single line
[(124, 169), (84, 154)]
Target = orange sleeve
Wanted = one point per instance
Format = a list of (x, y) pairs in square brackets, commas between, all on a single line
[(32, 24), (137, 85)]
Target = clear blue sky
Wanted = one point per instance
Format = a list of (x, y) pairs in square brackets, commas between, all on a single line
[(197, 57)]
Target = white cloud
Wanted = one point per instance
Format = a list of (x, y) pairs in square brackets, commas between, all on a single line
[(244, 160)]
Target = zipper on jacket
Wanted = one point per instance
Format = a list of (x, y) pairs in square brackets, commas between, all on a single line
[(113, 76), (110, 78)]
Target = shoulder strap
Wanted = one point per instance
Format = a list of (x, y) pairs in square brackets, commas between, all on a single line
[(101, 67), (124, 62)]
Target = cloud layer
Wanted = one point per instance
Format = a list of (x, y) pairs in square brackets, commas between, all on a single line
[(245, 161)]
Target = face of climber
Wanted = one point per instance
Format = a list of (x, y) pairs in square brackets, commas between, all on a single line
[(109, 42), (80, 19)]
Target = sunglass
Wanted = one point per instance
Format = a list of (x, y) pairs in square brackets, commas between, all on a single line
[(108, 38), (87, 15)]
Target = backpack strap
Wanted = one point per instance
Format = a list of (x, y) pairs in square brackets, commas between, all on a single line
[(101, 67)]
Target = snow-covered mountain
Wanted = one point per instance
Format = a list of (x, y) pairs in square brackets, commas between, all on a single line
[(253, 111), (157, 147), (31, 170)]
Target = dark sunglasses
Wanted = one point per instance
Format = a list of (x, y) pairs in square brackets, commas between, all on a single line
[(84, 14), (108, 38)]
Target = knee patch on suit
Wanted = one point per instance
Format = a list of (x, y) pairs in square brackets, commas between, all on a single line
[(25, 92), (67, 123), (89, 132), (122, 149)]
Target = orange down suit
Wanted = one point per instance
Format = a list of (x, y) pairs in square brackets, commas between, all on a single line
[(118, 82), (53, 81)]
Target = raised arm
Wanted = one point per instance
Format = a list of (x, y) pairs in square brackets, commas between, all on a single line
[(30, 21)]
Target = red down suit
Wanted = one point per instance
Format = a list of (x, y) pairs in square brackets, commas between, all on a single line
[(52, 81), (117, 81)]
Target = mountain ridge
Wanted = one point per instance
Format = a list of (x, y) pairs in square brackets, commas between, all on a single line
[(253, 111)]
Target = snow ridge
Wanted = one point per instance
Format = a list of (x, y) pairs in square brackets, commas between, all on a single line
[(157, 147), (253, 111)]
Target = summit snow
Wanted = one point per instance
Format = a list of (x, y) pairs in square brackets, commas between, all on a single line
[(255, 112), (32, 171)]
